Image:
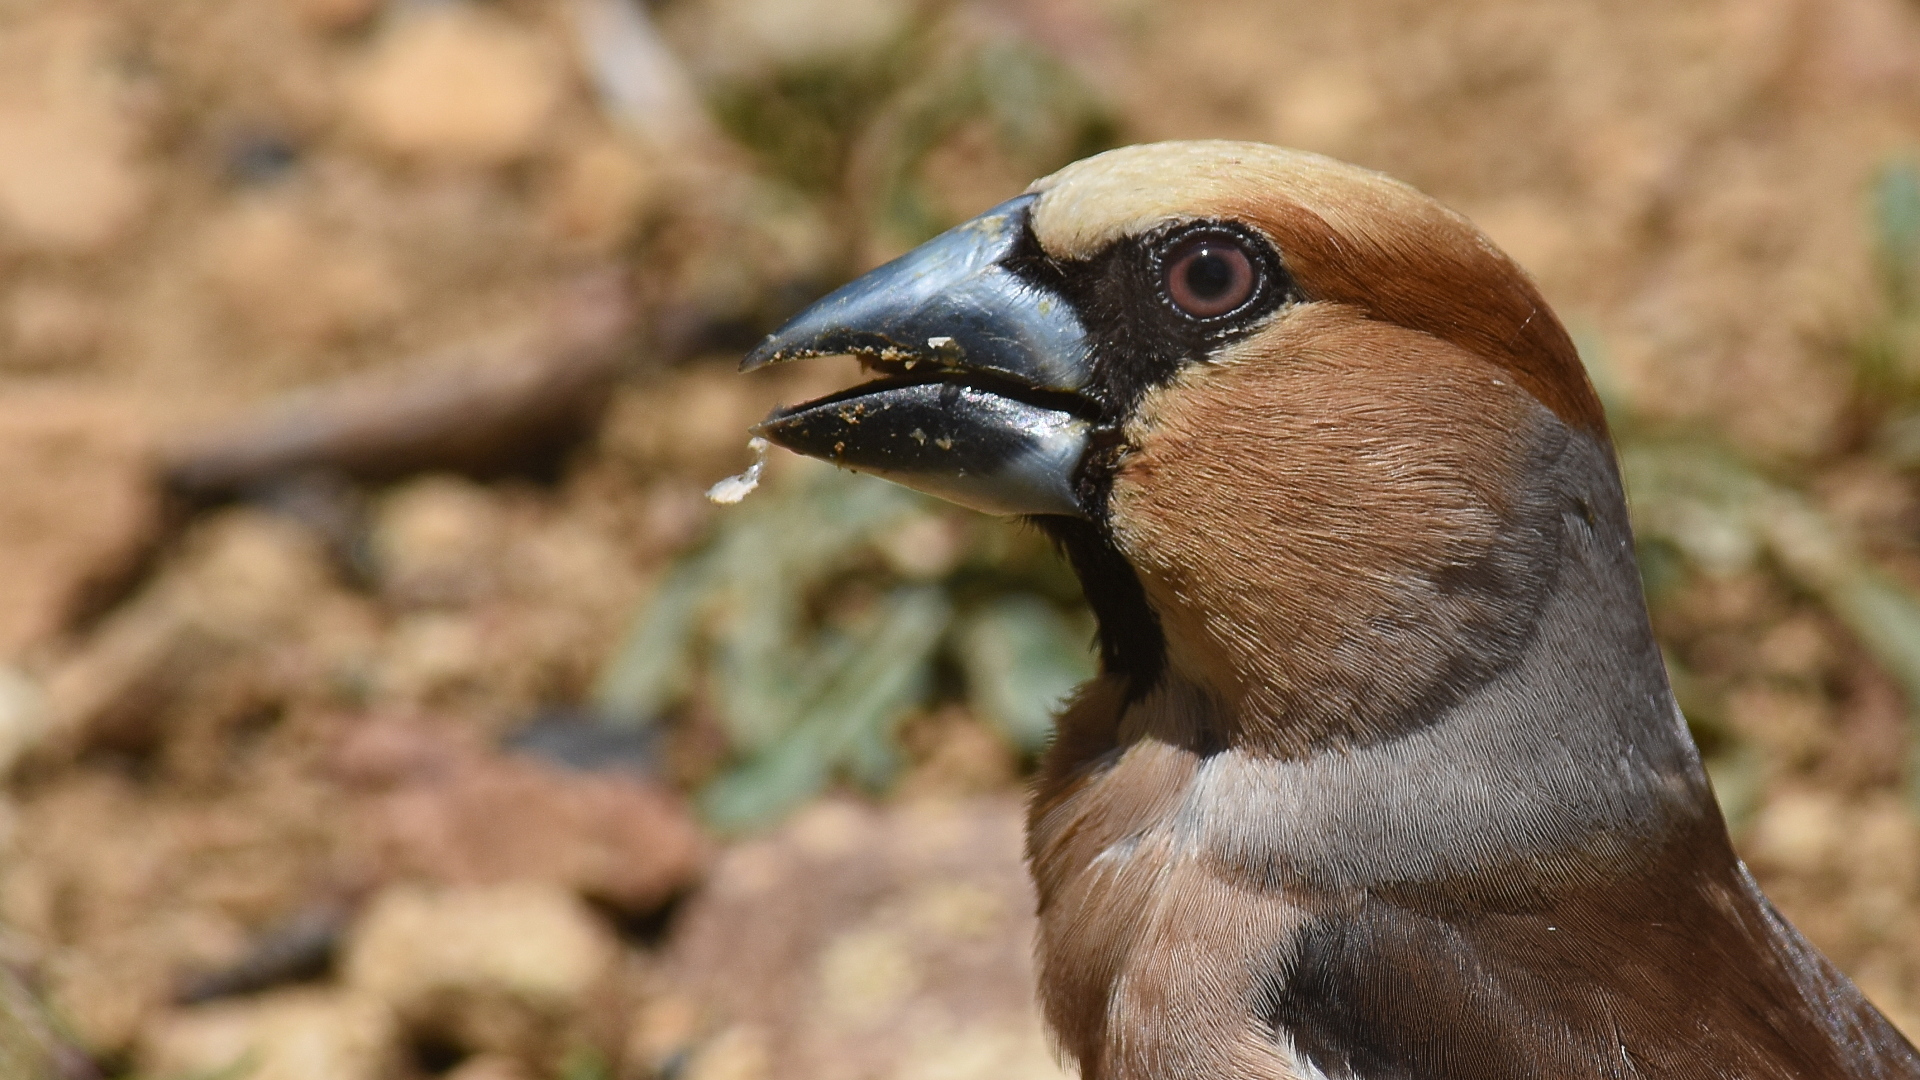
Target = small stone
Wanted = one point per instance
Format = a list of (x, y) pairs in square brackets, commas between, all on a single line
[(435, 542), (287, 1035), (60, 547), (980, 1052), (856, 941), (603, 189), (738, 1053), (1798, 832), (865, 974), (532, 943), (489, 1067), (665, 1028), (288, 276), (615, 838), (106, 995), (23, 716), (333, 16), (458, 84), (745, 37), (70, 182), (184, 657), (431, 656), (48, 326)]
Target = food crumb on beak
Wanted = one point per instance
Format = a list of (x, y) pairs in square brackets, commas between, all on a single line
[(734, 488)]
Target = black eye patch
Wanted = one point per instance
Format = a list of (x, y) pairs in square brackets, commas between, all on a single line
[(1144, 324)]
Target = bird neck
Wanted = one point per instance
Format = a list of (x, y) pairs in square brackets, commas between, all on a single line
[(1571, 739), (1172, 838)]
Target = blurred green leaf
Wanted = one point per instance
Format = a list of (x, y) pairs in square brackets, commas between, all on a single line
[(1886, 615), (1886, 356), (1737, 778), (1022, 659), (654, 663), (766, 658), (1896, 218), (1696, 496), (852, 721), (1722, 514), (1605, 378), (585, 1063)]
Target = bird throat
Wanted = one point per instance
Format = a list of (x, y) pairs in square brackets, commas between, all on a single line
[(1184, 858), (1340, 527)]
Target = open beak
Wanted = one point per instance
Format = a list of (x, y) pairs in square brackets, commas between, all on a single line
[(981, 395)]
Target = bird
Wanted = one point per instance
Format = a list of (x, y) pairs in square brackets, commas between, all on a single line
[(1382, 776)]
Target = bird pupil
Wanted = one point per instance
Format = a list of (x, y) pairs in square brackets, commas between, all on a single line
[(1209, 275)]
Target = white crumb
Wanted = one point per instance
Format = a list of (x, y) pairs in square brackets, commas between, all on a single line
[(734, 488)]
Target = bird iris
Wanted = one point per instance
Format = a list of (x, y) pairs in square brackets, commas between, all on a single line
[(1209, 275)]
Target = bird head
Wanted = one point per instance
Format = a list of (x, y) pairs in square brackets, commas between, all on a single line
[(1295, 423)]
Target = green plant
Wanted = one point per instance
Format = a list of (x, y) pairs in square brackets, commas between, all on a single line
[(823, 612)]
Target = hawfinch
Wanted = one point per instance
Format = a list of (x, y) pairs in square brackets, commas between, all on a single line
[(1382, 777)]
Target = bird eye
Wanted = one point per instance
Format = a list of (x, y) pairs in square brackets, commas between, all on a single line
[(1210, 275)]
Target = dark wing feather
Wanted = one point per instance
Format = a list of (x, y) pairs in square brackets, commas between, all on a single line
[(1683, 971)]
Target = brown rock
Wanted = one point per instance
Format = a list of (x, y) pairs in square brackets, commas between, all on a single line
[(436, 541), (453, 812), (290, 277), (858, 941), (533, 942), (69, 178), (174, 667), (603, 189), (334, 15), (495, 969), (23, 716), (490, 1067), (458, 84), (286, 1035), (744, 37), (48, 326), (1801, 833), (77, 509)]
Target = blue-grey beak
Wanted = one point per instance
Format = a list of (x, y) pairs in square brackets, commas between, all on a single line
[(981, 369)]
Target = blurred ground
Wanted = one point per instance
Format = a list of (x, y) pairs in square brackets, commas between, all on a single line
[(327, 757)]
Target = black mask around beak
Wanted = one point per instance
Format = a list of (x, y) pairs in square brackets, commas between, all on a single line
[(982, 373)]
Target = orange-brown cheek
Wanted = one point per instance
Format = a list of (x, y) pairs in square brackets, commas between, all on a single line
[(1295, 511)]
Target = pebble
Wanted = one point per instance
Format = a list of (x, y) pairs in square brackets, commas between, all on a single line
[(57, 443), (744, 37), (531, 943), (455, 83), (23, 716), (436, 540), (856, 941), (616, 838), (603, 189), (70, 179), (300, 1034)]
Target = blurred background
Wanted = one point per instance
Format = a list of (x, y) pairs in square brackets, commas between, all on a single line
[(381, 699)]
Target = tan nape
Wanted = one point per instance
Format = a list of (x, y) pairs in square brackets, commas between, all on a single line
[(1348, 235), (1132, 190), (1327, 518)]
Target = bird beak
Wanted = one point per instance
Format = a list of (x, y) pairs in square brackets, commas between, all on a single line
[(981, 399)]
